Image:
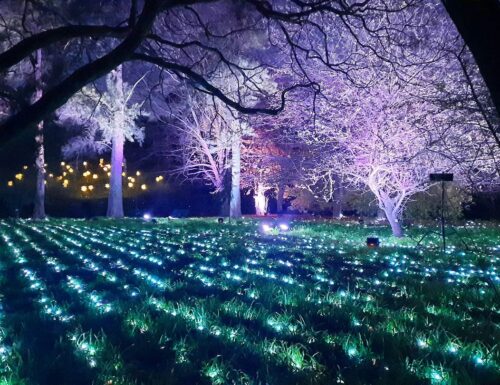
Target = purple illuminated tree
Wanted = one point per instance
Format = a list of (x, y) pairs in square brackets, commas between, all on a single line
[(387, 126), (269, 165), (389, 138)]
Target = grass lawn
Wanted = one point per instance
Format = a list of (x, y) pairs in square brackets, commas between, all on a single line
[(197, 302)]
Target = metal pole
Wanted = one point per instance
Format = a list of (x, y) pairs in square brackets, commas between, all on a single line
[(443, 235)]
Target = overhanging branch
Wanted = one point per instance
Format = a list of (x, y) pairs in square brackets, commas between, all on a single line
[(206, 86), (30, 44)]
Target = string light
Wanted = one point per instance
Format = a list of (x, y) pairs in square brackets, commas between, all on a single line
[(66, 176)]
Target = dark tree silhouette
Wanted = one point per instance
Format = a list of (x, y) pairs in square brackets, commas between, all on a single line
[(479, 24)]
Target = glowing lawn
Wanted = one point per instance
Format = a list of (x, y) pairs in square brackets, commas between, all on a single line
[(194, 301)]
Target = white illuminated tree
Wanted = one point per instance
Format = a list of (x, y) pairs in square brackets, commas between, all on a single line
[(209, 140), (210, 133), (203, 142), (108, 120)]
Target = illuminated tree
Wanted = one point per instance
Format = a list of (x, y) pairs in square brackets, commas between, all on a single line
[(387, 129), (210, 134), (256, 178), (269, 165), (209, 146), (108, 119), (203, 143), (288, 154), (10, 85), (389, 139)]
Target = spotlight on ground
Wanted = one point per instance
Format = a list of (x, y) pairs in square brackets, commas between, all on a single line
[(220, 220), (266, 228), (274, 227), (372, 242), (284, 227), (147, 217)]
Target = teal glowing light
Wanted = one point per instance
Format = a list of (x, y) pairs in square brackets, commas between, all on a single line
[(289, 300)]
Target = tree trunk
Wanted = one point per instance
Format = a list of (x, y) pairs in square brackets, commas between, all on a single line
[(338, 197), (224, 206), (279, 198), (224, 196), (235, 204), (260, 199), (391, 213), (115, 197), (39, 201), (397, 230)]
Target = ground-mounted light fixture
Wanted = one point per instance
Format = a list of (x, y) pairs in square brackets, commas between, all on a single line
[(372, 242), (220, 220)]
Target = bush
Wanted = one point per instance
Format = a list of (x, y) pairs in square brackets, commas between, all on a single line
[(303, 201), (427, 205), (364, 203)]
